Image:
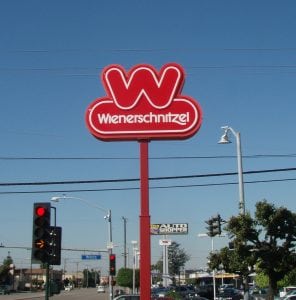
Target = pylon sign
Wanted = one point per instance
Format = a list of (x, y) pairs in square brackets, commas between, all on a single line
[(143, 104)]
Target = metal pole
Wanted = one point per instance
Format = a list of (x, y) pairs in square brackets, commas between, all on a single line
[(110, 252), (240, 175), (145, 247), (164, 260), (47, 289), (134, 269), (214, 279), (124, 241)]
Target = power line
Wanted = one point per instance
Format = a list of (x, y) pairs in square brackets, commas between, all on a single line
[(137, 179), (132, 50), (255, 156), (205, 67), (151, 187)]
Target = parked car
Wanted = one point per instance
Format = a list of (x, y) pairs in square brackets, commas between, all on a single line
[(225, 286), (205, 291), (68, 287), (127, 297), (230, 294), (286, 290), (101, 289), (290, 296), (159, 292), (181, 290), (258, 294), (119, 292)]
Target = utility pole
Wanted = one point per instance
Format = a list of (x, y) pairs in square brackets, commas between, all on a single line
[(124, 241)]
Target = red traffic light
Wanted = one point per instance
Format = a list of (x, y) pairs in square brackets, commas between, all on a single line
[(112, 257), (40, 211)]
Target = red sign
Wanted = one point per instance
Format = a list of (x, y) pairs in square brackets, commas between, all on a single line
[(143, 104)]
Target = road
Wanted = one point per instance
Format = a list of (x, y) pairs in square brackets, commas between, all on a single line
[(76, 294)]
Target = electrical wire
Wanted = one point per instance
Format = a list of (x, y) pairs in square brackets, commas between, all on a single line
[(151, 158), (152, 187)]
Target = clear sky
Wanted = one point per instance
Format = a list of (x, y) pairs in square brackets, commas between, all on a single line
[(240, 63)]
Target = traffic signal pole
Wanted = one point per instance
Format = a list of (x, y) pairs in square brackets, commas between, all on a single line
[(47, 288), (214, 278)]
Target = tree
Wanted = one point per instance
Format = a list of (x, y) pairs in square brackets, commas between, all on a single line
[(268, 239), (125, 277), (157, 271), (90, 277), (5, 276), (177, 258)]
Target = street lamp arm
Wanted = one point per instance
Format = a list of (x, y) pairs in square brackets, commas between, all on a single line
[(57, 198), (225, 140), (108, 217), (226, 128)]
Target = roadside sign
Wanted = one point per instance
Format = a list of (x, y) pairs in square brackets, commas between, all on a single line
[(166, 229), (91, 256), (165, 242), (143, 104)]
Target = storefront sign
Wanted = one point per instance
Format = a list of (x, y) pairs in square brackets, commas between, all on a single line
[(143, 104), (176, 228)]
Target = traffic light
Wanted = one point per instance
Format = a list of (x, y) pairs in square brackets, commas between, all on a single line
[(55, 245), (41, 229), (112, 264), (216, 225), (210, 227)]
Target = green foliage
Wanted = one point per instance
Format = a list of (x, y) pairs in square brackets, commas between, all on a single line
[(90, 278), (267, 241), (261, 280), (5, 276), (124, 278), (177, 258), (174, 295), (288, 280)]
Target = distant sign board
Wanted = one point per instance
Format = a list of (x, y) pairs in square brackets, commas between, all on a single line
[(175, 228), (165, 242), (91, 256)]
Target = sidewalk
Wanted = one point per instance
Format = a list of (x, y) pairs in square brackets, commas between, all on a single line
[(22, 296)]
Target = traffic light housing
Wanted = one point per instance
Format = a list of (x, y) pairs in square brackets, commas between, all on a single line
[(210, 227), (217, 225), (55, 245), (214, 227), (41, 232), (112, 264)]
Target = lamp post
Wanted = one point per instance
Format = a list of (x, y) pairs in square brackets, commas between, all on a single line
[(213, 272), (124, 241), (134, 243), (107, 217), (225, 140)]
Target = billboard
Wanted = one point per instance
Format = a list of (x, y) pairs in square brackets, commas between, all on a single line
[(143, 104), (171, 228)]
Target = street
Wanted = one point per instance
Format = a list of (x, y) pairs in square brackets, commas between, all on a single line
[(76, 294)]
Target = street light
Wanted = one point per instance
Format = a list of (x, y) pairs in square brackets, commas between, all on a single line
[(225, 140), (107, 217), (134, 243)]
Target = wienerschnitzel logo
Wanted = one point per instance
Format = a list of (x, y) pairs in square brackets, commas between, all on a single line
[(143, 104)]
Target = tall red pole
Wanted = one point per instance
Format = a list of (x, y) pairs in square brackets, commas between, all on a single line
[(145, 249)]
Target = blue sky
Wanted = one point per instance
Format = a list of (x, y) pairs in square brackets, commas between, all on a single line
[(240, 63)]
